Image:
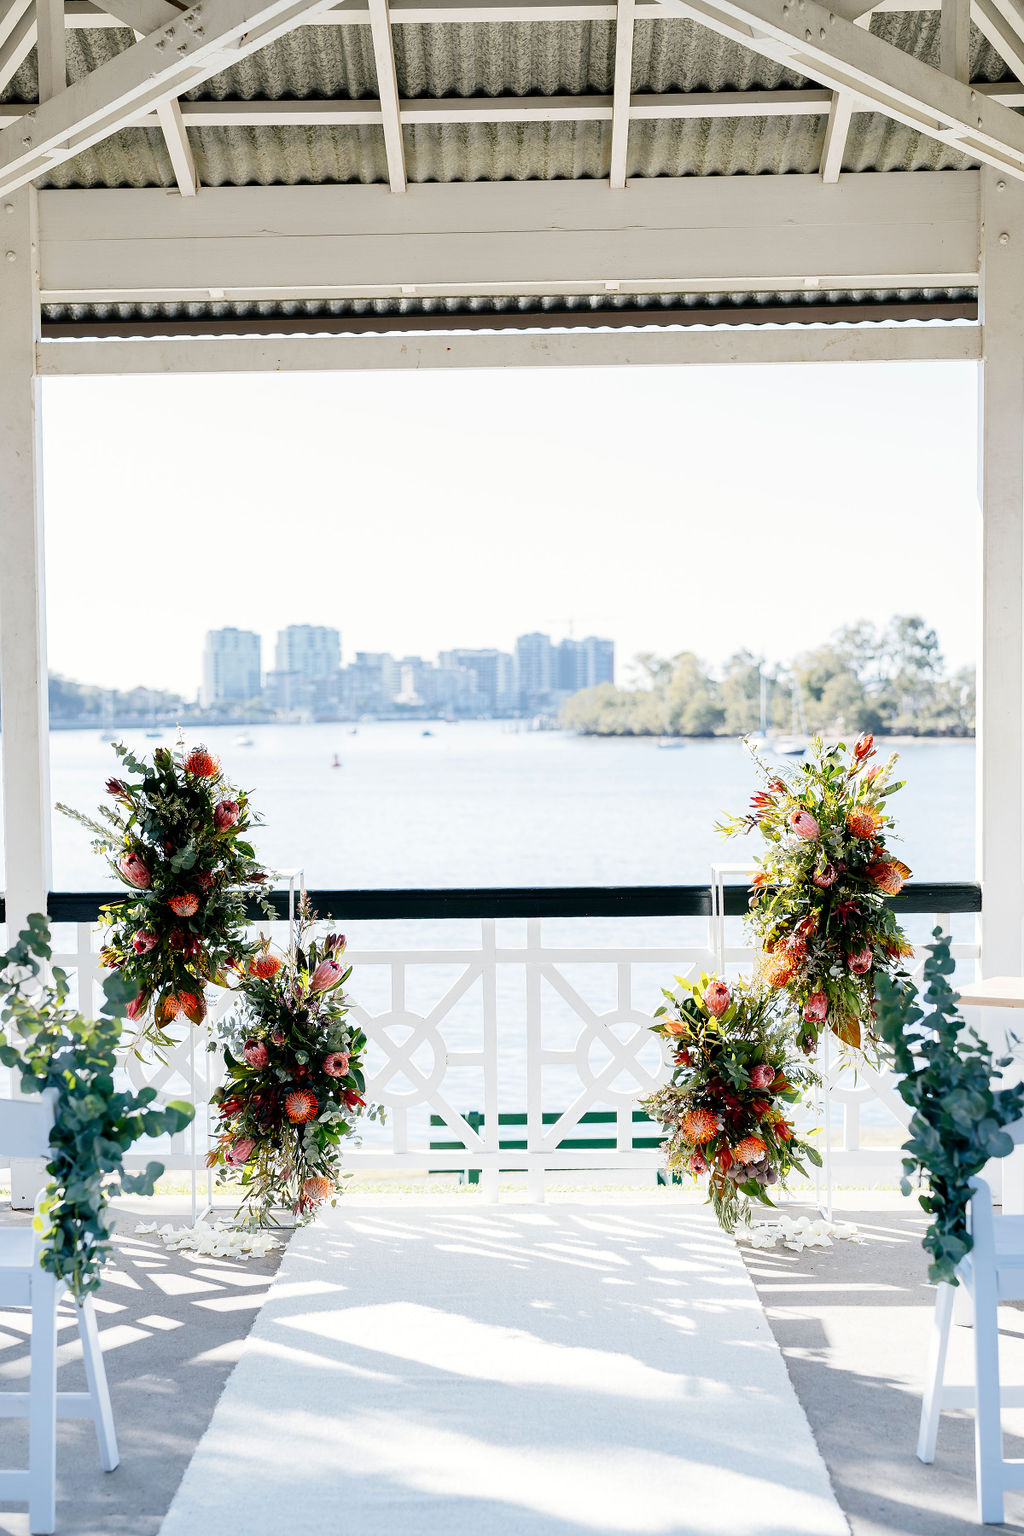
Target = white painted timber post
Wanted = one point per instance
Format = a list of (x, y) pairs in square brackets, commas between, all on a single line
[(24, 719)]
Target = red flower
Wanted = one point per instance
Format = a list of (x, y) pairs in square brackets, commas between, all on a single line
[(135, 870), (115, 787), (825, 876), (143, 941), (225, 815), (763, 1075), (301, 1105), (183, 906), (863, 747), (353, 1100), (697, 1163), (201, 764), (861, 962), (816, 1007), (255, 1053), (264, 966), (193, 1006), (239, 1152), (136, 1006), (336, 1064)]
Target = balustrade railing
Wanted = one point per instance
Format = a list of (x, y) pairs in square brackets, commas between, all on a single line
[(477, 1002)]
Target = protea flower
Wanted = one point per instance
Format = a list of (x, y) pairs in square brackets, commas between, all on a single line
[(239, 1152), (264, 966), (315, 1190), (674, 1026), (183, 906), (301, 1105), (143, 941), (135, 870), (763, 1075), (804, 824), (115, 787), (863, 747), (201, 764), (700, 1125), (327, 975), (825, 876), (861, 962), (778, 969), (336, 1064), (697, 1164), (885, 873), (750, 1150), (225, 814), (864, 820), (717, 998), (816, 1007), (137, 1006), (255, 1053)]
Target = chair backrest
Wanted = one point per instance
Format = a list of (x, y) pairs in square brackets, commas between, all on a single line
[(25, 1125)]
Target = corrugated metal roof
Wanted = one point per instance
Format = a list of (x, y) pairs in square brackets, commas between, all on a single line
[(436, 61)]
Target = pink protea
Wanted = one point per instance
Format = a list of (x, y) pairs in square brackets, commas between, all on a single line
[(825, 876), (861, 962), (135, 870), (326, 976), (239, 1152), (225, 814), (336, 1064), (763, 1075), (816, 1008), (697, 1164), (804, 824), (143, 941), (136, 1007), (717, 998), (255, 1053)]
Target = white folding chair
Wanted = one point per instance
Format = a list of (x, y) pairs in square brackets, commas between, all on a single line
[(25, 1126), (992, 1272)]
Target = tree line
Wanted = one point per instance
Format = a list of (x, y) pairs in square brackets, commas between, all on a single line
[(890, 679)]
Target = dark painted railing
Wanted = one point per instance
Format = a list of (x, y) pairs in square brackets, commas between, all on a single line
[(531, 901)]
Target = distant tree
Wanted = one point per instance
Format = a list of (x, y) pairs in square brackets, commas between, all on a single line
[(740, 693), (692, 705)]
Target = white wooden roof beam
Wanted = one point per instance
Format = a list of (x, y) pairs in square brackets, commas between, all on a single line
[(387, 90), (837, 131), (83, 13), (207, 38), (955, 39), (1001, 22), (50, 46), (18, 42), (818, 43), (622, 86), (695, 234)]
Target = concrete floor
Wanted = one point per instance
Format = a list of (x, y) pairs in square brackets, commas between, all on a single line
[(852, 1322)]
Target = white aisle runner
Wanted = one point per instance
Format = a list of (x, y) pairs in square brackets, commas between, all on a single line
[(514, 1371)]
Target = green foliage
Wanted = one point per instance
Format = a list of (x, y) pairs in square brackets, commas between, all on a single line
[(946, 1073), (53, 1046)]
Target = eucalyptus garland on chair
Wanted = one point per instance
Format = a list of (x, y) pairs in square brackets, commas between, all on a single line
[(818, 903), (54, 1046), (294, 1082), (176, 833)]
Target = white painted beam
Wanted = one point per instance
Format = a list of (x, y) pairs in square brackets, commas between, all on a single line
[(172, 126), (622, 87), (955, 39), (688, 235), (24, 741), (1000, 794), (1003, 26), (142, 16), (208, 38), (50, 48), (836, 132), (17, 46), (819, 44), (311, 354), (387, 91), (83, 13)]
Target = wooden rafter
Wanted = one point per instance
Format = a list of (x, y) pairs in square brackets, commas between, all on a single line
[(387, 90), (621, 91)]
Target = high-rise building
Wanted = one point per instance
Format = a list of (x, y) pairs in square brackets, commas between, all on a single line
[(534, 670), (600, 660), (231, 667), (311, 651), (495, 676), (570, 666)]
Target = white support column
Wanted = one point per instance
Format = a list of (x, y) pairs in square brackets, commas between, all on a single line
[(1000, 793), (24, 716)]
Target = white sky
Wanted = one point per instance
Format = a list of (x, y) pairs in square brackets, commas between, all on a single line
[(702, 509)]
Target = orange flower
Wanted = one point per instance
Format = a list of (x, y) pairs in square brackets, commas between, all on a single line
[(750, 1150), (864, 820), (674, 1026), (265, 966), (300, 1105), (193, 1006), (315, 1189), (783, 1130), (885, 874), (778, 969), (698, 1125), (202, 764), (183, 906)]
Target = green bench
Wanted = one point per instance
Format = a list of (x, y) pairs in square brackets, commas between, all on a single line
[(506, 1118)]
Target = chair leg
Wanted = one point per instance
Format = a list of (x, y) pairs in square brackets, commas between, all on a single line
[(931, 1402), (96, 1376), (42, 1425), (988, 1424)]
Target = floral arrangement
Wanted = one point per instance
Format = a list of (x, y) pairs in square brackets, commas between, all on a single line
[(53, 1046), (819, 901), (946, 1073), (723, 1109), (294, 1085), (176, 834)]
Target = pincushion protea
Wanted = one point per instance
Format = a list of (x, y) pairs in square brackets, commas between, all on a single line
[(316, 1189), (701, 1124), (264, 966), (864, 820), (778, 969), (201, 764), (183, 906), (888, 875), (750, 1150), (300, 1105)]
